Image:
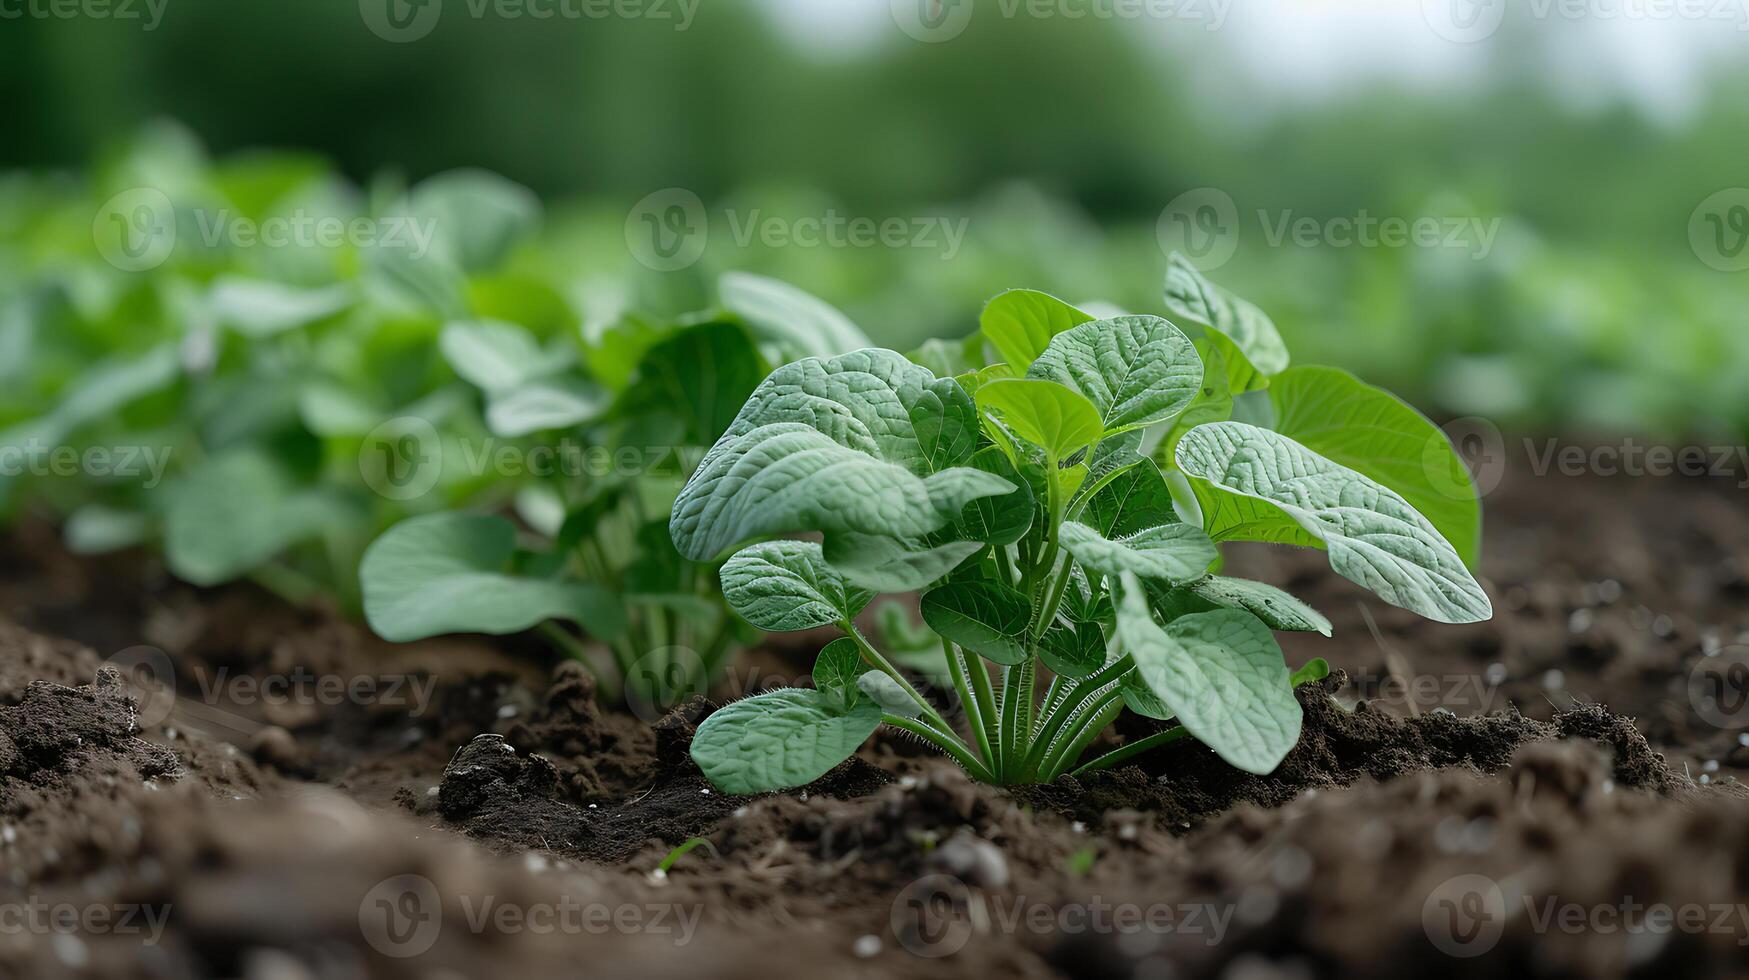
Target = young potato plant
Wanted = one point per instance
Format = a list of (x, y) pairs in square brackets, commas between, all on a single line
[(1060, 512), (608, 438)]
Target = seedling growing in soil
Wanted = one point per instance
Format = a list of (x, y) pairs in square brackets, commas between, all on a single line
[(1059, 511)]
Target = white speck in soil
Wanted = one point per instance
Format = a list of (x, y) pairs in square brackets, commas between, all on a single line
[(535, 862), (1078, 827), (1743, 739), (592, 806), (866, 947), (70, 950), (507, 711), (704, 792), (740, 813), (1609, 590), (1495, 674), (1705, 779), (1711, 765), (8, 834), (1580, 621), (1257, 905), (431, 792), (1554, 680), (1291, 868)]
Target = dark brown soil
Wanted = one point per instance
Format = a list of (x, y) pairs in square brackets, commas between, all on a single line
[(1508, 799)]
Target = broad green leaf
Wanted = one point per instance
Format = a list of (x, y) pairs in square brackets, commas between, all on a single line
[(834, 446), (257, 308), (704, 374), (987, 618), (549, 403), (836, 669), (1260, 485), (783, 586), (780, 739), (448, 573), (1134, 500), (999, 520), (239, 510), (1054, 418), (1073, 650), (797, 320), (1213, 403), (1021, 322), (496, 356), (472, 218), (1277, 609), (1172, 552), (1198, 302), (884, 564), (1374, 433), (1220, 673), (1136, 370)]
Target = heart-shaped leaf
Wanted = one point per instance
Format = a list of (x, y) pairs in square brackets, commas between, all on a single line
[(782, 586), (836, 669), (1136, 370), (1196, 301), (987, 618), (1054, 418), (1073, 651), (780, 739), (1021, 322)]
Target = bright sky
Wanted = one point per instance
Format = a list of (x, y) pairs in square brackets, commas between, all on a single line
[(1657, 53)]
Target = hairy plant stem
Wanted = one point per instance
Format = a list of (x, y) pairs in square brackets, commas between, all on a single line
[(881, 663), (958, 750), (1087, 727), (986, 699), (1135, 748), (956, 666)]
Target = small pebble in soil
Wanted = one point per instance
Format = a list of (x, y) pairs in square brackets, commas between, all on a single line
[(534, 862), (1579, 621), (866, 947), (1711, 765), (1554, 680), (1495, 674), (1291, 868), (507, 711), (8, 834)]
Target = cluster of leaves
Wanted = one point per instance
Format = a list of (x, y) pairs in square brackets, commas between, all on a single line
[(1059, 504)]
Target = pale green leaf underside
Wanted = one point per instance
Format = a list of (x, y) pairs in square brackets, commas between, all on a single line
[(1371, 431), (1021, 322), (780, 739), (1220, 673), (444, 573), (885, 564), (543, 405), (1276, 608), (782, 586), (794, 318), (1173, 552), (1193, 298), (1374, 537), (1136, 370), (493, 355), (834, 446)]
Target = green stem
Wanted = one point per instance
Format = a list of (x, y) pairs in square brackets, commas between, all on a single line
[(974, 714), (1010, 725), (1135, 748), (882, 664), (1004, 565), (986, 699), (1086, 728), (947, 743)]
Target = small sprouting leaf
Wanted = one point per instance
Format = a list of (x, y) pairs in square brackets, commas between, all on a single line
[(797, 320), (987, 618), (496, 356), (1136, 370), (1173, 552), (780, 739), (1201, 303), (836, 669), (447, 573), (1315, 669), (1021, 322), (783, 586), (1374, 433), (1220, 673), (549, 403), (1260, 485), (1056, 419), (1073, 651)]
